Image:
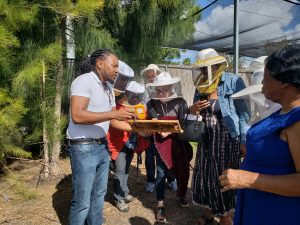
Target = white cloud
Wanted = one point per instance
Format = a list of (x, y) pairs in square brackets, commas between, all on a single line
[(275, 24)]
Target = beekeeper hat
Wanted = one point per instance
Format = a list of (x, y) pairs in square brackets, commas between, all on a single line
[(135, 87), (163, 79), (255, 87), (151, 67), (257, 63), (125, 70), (257, 76), (208, 57), (125, 75)]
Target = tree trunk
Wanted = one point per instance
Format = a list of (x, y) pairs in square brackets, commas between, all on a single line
[(56, 127), (54, 166), (45, 171)]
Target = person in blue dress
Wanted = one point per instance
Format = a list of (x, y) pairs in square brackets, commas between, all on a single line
[(268, 181)]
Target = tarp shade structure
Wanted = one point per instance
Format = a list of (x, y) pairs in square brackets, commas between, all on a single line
[(265, 25)]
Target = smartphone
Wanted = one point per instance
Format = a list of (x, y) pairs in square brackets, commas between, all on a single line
[(203, 97)]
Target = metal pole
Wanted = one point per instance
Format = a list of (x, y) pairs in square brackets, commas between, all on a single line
[(236, 38)]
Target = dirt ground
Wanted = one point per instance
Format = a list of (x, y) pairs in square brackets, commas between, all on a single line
[(52, 199)]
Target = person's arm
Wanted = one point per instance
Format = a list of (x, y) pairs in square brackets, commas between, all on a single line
[(121, 125), (286, 185), (80, 114), (198, 105)]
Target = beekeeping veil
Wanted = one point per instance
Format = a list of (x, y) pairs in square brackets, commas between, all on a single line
[(134, 93), (260, 106), (205, 79), (150, 73), (165, 87), (125, 75), (257, 63)]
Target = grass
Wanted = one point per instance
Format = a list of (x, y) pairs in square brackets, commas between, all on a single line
[(21, 189)]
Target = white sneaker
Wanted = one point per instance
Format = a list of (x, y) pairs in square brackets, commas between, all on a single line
[(150, 187), (122, 206), (173, 185), (128, 198)]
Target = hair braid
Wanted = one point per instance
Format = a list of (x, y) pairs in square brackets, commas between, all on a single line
[(88, 63)]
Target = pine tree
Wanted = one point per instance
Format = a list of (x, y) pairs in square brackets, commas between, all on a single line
[(12, 109), (143, 27), (43, 71), (33, 68), (11, 113)]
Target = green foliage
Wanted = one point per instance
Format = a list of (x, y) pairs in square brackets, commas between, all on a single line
[(187, 62), (42, 50), (32, 44), (33, 137), (51, 53), (89, 37), (11, 113), (17, 14), (14, 16), (21, 188), (79, 8), (7, 40), (28, 77), (167, 54), (11, 110), (142, 27), (13, 150), (28, 84)]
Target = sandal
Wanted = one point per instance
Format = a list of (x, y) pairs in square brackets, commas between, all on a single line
[(161, 215)]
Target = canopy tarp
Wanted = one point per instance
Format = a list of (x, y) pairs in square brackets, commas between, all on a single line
[(265, 25)]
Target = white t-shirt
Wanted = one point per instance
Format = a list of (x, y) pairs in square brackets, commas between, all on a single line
[(88, 85)]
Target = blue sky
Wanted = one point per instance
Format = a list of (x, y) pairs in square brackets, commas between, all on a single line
[(190, 53)]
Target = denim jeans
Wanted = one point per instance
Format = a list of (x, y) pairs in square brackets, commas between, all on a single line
[(121, 165), (162, 173), (150, 163), (89, 163)]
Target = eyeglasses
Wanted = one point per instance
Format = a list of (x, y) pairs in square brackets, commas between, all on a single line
[(163, 91)]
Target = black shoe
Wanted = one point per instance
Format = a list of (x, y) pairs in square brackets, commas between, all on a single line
[(184, 202)]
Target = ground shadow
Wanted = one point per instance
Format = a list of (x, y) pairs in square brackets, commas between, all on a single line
[(142, 210), (139, 221), (136, 184), (176, 215), (61, 199)]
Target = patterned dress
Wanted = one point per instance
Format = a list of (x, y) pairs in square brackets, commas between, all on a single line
[(217, 152)]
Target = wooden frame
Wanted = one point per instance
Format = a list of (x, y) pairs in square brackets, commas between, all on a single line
[(172, 126)]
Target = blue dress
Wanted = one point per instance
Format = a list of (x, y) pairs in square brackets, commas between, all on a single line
[(268, 154)]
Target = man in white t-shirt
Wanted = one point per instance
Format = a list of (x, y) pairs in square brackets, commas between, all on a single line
[(92, 111)]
